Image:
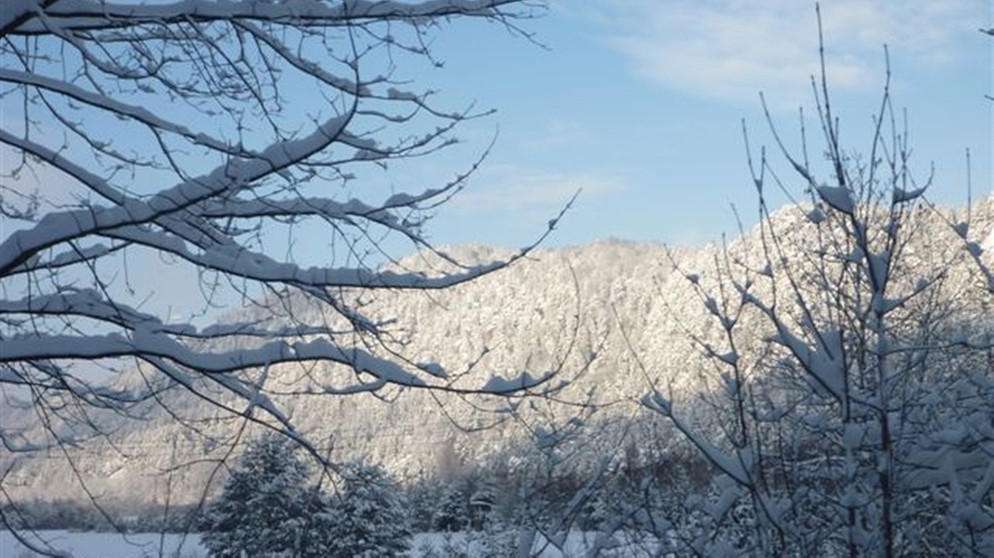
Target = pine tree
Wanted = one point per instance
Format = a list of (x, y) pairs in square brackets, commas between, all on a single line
[(319, 528), (452, 513), (265, 506), (369, 519)]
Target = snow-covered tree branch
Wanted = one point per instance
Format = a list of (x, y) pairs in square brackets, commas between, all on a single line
[(210, 139), (858, 422)]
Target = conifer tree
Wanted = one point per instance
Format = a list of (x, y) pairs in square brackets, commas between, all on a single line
[(266, 504), (369, 519)]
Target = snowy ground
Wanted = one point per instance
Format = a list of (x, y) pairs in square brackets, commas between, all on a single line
[(107, 545), (148, 545)]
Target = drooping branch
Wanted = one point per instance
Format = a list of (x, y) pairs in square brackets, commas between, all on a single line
[(185, 134), (91, 15)]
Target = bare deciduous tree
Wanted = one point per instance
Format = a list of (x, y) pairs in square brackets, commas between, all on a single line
[(210, 138), (860, 424)]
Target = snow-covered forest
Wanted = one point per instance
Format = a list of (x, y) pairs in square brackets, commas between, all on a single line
[(820, 384), (597, 442)]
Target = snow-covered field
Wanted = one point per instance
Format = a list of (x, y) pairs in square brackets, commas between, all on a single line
[(107, 545), (149, 545)]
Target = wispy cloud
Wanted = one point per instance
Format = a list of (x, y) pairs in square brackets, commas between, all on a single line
[(555, 134), (731, 49), (532, 193)]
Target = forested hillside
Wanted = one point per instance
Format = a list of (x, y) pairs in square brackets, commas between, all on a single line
[(610, 320)]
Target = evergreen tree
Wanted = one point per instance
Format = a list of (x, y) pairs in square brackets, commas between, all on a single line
[(369, 520), (320, 523), (265, 507), (422, 503), (452, 512)]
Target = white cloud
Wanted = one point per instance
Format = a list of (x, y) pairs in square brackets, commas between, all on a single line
[(731, 49), (555, 134), (531, 193)]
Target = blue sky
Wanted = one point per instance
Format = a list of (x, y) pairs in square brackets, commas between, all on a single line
[(640, 104)]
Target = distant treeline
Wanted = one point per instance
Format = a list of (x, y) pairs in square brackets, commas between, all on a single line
[(62, 514)]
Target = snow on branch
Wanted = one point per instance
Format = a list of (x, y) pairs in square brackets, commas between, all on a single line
[(94, 14), (192, 137)]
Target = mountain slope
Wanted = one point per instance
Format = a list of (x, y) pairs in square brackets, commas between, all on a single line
[(612, 317)]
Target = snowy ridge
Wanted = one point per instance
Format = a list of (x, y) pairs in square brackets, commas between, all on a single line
[(604, 300)]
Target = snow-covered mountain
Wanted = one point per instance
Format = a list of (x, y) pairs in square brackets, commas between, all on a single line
[(612, 317)]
